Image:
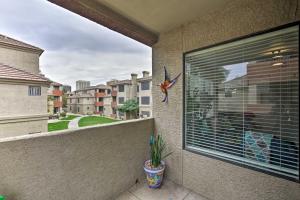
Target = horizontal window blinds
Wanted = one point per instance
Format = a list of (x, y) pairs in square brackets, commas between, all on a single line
[(242, 101)]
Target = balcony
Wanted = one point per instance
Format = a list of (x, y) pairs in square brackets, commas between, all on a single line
[(57, 93), (99, 94), (99, 103), (114, 104), (114, 93), (97, 162), (57, 104)]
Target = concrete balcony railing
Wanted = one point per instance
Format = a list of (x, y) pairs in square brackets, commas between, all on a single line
[(114, 93), (57, 93), (99, 94), (98, 162), (99, 103), (114, 104), (57, 104)]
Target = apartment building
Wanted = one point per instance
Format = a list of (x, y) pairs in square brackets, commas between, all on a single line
[(55, 98), (23, 89), (105, 99), (80, 84), (135, 88), (89, 100)]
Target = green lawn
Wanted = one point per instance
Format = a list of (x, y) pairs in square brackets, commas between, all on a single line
[(69, 117), (93, 120), (56, 126)]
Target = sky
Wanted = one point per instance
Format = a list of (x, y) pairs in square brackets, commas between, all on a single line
[(75, 48)]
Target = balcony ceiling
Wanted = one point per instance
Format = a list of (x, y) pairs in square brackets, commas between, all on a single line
[(142, 20)]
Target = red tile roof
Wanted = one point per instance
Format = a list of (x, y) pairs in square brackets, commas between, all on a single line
[(10, 41), (8, 72)]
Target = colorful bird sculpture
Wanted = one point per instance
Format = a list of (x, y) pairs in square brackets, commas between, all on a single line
[(167, 84)]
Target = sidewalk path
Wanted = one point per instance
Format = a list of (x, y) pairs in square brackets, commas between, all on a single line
[(74, 123)]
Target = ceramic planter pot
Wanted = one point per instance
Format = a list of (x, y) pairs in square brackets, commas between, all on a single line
[(154, 175)]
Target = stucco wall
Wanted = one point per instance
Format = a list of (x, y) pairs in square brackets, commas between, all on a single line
[(28, 125), (89, 163), (15, 100), (214, 179), (20, 59), (20, 113)]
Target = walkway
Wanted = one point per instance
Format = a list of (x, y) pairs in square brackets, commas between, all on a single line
[(74, 123), (168, 191)]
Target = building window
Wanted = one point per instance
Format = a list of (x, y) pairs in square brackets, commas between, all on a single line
[(88, 108), (88, 98), (34, 90), (242, 102), (78, 100), (108, 91), (145, 85), (121, 100), (78, 109), (145, 100), (137, 88), (121, 88)]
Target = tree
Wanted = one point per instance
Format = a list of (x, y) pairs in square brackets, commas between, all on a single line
[(64, 101), (130, 108)]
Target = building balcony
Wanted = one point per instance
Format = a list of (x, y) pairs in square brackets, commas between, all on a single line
[(99, 94), (99, 103), (114, 104), (85, 163), (57, 93), (114, 93), (57, 104)]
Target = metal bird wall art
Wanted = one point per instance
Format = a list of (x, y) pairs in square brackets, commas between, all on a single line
[(167, 84)]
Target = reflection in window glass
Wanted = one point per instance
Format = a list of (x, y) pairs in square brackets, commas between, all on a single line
[(241, 101)]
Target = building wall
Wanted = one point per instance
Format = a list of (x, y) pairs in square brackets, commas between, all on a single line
[(15, 100), (24, 60), (212, 178), (70, 164), (107, 106), (23, 126), (20, 113)]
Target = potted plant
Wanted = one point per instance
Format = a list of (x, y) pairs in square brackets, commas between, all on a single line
[(154, 168)]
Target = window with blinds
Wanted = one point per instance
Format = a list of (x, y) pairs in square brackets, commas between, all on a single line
[(242, 101)]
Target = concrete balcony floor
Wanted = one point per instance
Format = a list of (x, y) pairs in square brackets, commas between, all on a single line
[(168, 191)]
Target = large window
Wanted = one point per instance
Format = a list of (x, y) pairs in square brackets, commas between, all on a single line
[(242, 102)]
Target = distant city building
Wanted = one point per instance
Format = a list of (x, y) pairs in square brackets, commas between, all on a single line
[(82, 84), (24, 100), (105, 99), (66, 88), (55, 101)]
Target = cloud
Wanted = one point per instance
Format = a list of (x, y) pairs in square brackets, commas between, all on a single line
[(75, 48)]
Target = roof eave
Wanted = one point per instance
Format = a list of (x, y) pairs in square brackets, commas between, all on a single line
[(105, 16)]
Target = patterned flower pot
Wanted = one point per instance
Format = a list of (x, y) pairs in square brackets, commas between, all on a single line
[(154, 175)]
